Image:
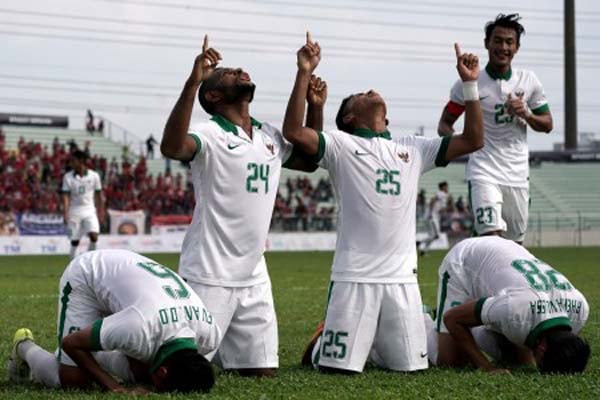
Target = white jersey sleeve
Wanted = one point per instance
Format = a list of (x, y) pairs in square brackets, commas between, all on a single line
[(125, 332), (204, 135), (537, 101), (97, 183), (330, 144), (456, 93)]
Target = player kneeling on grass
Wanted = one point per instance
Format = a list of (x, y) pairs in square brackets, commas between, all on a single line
[(123, 315), (495, 297), (374, 304)]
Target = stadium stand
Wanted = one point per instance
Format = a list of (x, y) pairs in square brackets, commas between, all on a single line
[(560, 192)]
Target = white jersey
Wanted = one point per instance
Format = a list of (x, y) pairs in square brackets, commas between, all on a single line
[(151, 312), (81, 190), (504, 158), (376, 181), (439, 202), (235, 180), (519, 295)]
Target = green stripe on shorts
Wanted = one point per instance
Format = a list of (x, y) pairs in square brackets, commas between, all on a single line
[(440, 312), (63, 316)]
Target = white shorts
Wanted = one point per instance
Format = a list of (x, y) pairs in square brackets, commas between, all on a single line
[(246, 316), (380, 322), (498, 207), (82, 224), (77, 309)]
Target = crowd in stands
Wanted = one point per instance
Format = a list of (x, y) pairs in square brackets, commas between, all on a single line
[(31, 178)]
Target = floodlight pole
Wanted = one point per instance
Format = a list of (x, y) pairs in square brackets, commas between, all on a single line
[(570, 78)]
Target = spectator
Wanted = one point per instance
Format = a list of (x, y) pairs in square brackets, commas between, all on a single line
[(150, 142), (100, 128), (89, 122)]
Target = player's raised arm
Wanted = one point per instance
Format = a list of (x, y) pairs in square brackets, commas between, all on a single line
[(459, 320), (538, 122), (175, 142), (316, 98), (472, 137), (306, 139)]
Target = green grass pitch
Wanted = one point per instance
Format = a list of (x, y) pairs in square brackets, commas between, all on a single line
[(28, 297)]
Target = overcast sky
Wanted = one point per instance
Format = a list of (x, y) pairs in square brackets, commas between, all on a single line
[(127, 59)]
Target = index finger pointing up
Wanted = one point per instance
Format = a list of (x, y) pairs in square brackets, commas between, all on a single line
[(308, 37), (205, 43), (457, 50)]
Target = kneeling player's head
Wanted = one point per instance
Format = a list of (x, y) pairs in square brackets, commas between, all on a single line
[(225, 86), (184, 371), (562, 352), (357, 108)]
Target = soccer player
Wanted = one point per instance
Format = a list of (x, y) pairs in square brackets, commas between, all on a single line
[(437, 203), (83, 203), (511, 100), (526, 311), (235, 162), (374, 305), (122, 314)]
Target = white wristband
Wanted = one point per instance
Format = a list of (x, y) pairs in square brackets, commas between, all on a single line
[(470, 92)]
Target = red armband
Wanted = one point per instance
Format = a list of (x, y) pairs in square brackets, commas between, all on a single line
[(454, 108)]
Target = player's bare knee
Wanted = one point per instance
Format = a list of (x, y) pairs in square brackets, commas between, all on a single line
[(93, 236), (73, 377), (74, 243)]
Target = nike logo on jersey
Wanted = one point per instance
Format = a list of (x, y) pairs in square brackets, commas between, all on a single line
[(484, 97), (233, 146), (423, 354), (360, 153)]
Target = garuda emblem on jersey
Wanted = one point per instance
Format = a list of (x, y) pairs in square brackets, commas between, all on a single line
[(271, 148), (404, 156)]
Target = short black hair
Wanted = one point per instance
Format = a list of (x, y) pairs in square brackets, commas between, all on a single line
[(188, 371), (339, 118), (442, 184), (80, 155), (211, 83), (566, 353), (510, 21)]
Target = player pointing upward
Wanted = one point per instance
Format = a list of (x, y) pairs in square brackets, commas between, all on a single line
[(374, 301), (511, 100), (235, 162)]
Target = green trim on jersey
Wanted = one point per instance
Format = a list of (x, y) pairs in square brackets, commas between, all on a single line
[(544, 326), (440, 159), (479, 308), (198, 145), (443, 294), (63, 316), (496, 75), (293, 155), (167, 349), (95, 338), (229, 126), (543, 109), (470, 194), (321, 148), (369, 134)]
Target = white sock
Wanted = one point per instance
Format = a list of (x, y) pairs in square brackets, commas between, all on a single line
[(432, 339), (92, 246), (43, 364), (72, 252), (116, 364)]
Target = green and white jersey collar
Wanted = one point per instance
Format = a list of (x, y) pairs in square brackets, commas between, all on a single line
[(369, 134), (229, 126), (495, 75)]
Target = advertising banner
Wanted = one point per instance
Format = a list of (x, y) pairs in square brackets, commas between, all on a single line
[(41, 224), (127, 222)]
